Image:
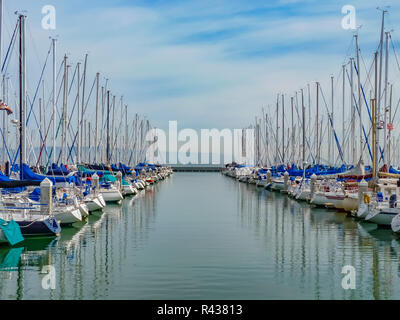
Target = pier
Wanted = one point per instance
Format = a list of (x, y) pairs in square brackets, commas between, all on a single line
[(196, 168)]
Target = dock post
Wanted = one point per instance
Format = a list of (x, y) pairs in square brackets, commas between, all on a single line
[(312, 185), (362, 189), (286, 182), (95, 182), (269, 175), (119, 178), (46, 197)]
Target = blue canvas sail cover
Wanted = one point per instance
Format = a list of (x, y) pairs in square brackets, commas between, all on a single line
[(28, 174), (58, 170), (11, 231)]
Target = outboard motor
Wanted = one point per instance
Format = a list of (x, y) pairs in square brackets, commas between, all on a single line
[(379, 197), (393, 201)]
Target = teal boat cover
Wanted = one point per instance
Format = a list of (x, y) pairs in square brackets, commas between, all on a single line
[(12, 231), (11, 260)]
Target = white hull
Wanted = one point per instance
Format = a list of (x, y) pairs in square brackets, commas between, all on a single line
[(94, 204), (383, 216), (83, 208), (303, 195), (395, 224), (262, 183), (68, 215), (111, 195), (128, 190), (323, 199)]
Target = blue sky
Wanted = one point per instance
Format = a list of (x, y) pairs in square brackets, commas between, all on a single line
[(203, 63)]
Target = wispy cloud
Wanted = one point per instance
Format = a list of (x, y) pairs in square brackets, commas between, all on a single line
[(207, 63)]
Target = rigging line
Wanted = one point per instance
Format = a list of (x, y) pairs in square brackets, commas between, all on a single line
[(37, 89), (306, 139), (331, 123), (9, 47), (366, 103), (87, 102)]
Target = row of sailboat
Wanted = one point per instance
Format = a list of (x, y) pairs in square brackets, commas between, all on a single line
[(315, 154), (42, 211), (73, 150)]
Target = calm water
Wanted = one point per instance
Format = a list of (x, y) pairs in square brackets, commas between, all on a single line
[(206, 236)]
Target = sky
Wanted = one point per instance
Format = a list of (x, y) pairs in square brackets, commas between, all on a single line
[(206, 64)]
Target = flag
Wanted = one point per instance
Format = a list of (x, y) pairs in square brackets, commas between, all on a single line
[(4, 106), (390, 126)]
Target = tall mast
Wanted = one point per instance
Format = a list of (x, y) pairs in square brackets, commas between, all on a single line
[(389, 157), (304, 127), (317, 123), (97, 110), (378, 96), (309, 109), (385, 107), (54, 42), (113, 126), (126, 136), (78, 140), (5, 133), (283, 129), (359, 94), (291, 104), (64, 113), (343, 106), (83, 104), (277, 132), (331, 129), (108, 128), (374, 131), (22, 92), (353, 114)]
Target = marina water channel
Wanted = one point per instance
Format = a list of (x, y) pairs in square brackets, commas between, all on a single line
[(207, 236)]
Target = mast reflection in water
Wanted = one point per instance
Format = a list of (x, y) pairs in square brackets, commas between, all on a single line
[(204, 236)]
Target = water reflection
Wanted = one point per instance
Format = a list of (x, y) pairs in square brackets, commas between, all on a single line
[(309, 246), (204, 236), (87, 256)]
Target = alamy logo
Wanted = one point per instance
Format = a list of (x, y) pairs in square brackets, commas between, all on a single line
[(349, 280), (185, 146), (49, 20), (49, 280), (349, 20)]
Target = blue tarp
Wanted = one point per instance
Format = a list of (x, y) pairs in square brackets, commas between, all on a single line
[(28, 174), (12, 231)]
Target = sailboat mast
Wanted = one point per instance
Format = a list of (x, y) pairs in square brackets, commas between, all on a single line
[(283, 129), (291, 105), (82, 106), (96, 121), (108, 128), (304, 127), (126, 135), (389, 157), (22, 90), (317, 123), (64, 113), (78, 138), (359, 95), (378, 95), (353, 112), (54, 45), (5, 134), (374, 131), (343, 105), (385, 107), (277, 132)]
